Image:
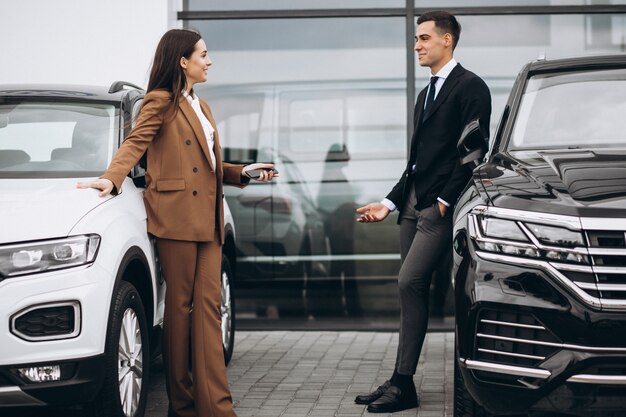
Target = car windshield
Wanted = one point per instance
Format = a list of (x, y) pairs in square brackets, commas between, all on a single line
[(572, 110), (55, 139)]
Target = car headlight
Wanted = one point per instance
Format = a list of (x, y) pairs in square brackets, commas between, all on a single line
[(34, 257), (527, 239)]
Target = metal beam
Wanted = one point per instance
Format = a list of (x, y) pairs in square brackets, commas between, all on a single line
[(395, 12)]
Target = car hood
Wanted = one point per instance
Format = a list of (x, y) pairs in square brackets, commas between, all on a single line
[(32, 209), (574, 182)]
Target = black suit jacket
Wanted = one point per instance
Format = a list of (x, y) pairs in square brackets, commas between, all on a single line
[(463, 97)]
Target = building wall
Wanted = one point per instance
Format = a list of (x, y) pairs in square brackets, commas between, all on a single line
[(81, 42), (328, 99)]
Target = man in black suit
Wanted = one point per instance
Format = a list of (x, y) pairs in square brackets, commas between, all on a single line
[(426, 193)]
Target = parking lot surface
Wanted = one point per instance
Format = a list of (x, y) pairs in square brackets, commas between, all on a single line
[(318, 374)]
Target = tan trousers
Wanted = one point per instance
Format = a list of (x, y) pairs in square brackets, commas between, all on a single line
[(192, 272)]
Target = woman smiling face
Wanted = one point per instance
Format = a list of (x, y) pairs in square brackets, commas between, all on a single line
[(197, 65)]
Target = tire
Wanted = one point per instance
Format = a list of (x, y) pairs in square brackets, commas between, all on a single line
[(464, 404), (227, 309), (130, 358)]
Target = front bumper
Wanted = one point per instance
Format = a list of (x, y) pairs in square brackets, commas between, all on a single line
[(80, 385), (527, 344), (84, 288)]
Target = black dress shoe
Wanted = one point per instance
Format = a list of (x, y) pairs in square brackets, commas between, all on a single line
[(372, 396), (394, 399)]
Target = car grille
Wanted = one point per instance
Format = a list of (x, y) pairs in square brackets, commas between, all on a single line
[(513, 339), (608, 256)]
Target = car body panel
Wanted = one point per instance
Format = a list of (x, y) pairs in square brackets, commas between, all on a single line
[(532, 311)]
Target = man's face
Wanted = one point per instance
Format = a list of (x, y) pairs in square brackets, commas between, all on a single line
[(431, 47)]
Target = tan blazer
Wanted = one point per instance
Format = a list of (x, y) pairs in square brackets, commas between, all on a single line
[(181, 185)]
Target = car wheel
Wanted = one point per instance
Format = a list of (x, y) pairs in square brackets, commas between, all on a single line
[(464, 404), (127, 359), (227, 310)]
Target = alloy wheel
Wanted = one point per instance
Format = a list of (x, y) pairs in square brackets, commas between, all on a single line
[(130, 365)]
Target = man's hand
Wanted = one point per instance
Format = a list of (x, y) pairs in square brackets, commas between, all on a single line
[(373, 212), (102, 184), (442, 208)]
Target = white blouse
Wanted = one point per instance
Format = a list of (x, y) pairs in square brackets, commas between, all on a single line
[(206, 125)]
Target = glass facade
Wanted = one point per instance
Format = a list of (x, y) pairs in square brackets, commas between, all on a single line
[(289, 4), (328, 99)]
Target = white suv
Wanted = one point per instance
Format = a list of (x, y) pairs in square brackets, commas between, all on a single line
[(81, 296)]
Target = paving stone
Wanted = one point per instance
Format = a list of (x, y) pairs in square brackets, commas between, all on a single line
[(318, 374)]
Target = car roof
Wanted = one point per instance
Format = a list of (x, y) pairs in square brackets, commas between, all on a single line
[(579, 63), (83, 92)]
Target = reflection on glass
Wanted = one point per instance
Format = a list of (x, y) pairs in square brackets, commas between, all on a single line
[(289, 4), (329, 110), (582, 110), (53, 140), (496, 47), (492, 3)]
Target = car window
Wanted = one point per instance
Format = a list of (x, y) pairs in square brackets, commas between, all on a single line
[(54, 139), (572, 110)]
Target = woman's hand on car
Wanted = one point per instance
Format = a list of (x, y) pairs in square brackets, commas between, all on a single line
[(104, 185), (266, 172)]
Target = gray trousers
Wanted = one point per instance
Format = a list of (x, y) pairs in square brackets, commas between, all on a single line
[(424, 236)]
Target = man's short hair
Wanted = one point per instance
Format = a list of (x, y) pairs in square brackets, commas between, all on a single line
[(444, 23)]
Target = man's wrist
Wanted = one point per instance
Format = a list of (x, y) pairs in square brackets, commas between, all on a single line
[(389, 204)]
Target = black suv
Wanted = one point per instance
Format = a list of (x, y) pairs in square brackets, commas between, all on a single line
[(540, 248)]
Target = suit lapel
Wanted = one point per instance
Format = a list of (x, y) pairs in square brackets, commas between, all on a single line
[(217, 149), (193, 120), (417, 121), (451, 81), (419, 108)]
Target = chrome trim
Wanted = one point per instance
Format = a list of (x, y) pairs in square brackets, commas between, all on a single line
[(611, 287), (517, 355), (548, 268), (612, 304), (607, 251), (598, 379), (571, 267), (14, 396), (552, 344), (587, 285), (507, 369), (609, 269), (77, 321), (598, 223), (570, 222), (505, 323), (518, 340)]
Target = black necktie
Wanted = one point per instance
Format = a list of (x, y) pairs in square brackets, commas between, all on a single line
[(431, 94)]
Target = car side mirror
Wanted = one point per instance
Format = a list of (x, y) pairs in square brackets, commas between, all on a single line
[(472, 146)]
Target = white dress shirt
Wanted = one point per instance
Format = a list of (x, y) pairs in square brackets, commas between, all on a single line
[(443, 73), (206, 125)]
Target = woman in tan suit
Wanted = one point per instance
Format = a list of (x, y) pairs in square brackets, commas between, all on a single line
[(183, 201)]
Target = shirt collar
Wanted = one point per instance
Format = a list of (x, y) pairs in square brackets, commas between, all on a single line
[(191, 98), (445, 71)]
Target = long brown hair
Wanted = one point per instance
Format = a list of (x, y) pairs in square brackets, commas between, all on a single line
[(166, 71)]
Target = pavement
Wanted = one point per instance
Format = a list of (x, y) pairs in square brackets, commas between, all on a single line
[(317, 374)]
